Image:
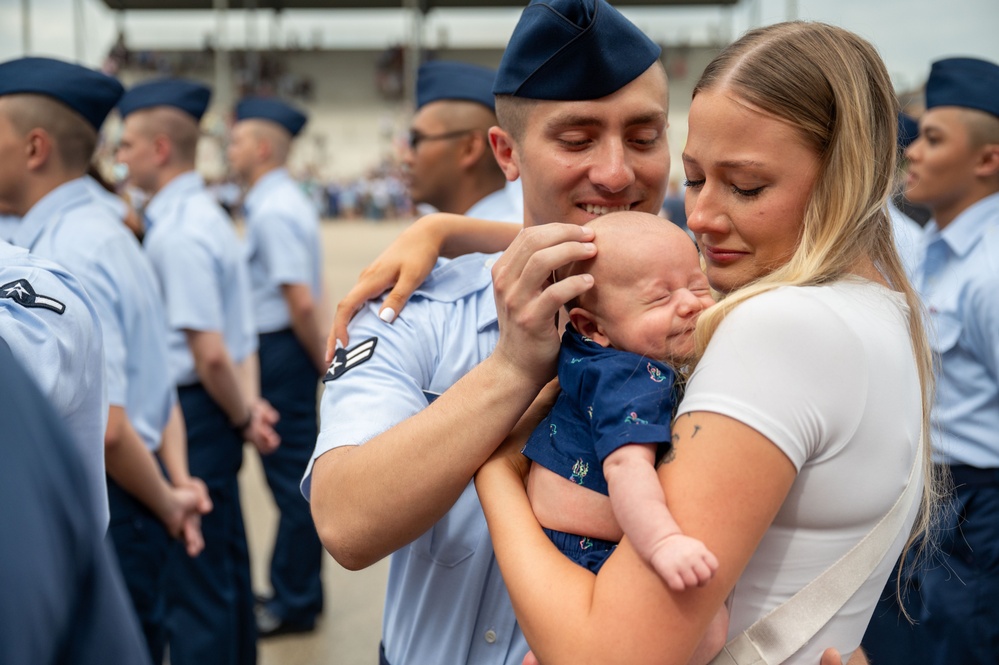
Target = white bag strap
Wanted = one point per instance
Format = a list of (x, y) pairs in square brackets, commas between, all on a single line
[(777, 636)]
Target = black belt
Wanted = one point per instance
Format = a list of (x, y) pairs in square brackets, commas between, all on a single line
[(973, 476), (382, 660)]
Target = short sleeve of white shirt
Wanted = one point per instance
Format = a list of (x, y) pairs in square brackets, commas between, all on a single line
[(776, 364)]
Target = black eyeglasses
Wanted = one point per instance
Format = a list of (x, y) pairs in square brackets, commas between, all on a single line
[(416, 137)]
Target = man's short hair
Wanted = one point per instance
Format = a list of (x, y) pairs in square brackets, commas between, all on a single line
[(74, 139)]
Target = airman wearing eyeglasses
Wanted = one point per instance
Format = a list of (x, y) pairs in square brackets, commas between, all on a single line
[(449, 164)]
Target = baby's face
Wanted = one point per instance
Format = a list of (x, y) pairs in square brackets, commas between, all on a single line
[(649, 302)]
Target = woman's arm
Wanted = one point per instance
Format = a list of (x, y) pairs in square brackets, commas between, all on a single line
[(640, 509), (724, 488), (405, 263)]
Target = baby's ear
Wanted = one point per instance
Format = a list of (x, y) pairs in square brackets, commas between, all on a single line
[(586, 324)]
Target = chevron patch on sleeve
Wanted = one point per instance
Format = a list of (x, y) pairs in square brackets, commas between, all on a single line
[(21, 292), (346, 359)]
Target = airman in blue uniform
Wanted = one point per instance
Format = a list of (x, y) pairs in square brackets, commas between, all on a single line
[(390, 475), (954, 170), (63, 599), (285, 259), (198, 260), (52, 328), (449, 164), (61, 220)]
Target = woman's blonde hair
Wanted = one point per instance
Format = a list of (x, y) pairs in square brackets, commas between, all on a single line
[(833, 87)]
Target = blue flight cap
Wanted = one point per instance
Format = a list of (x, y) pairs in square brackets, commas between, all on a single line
[(908, 130), (188, 96), (967, 82), (89, 93), (268, 108), (439, 79), (572, 50)]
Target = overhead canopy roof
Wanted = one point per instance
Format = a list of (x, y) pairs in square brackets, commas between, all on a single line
[(426, 5)]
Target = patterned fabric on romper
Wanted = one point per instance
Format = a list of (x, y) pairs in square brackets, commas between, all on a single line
[(609, 398)]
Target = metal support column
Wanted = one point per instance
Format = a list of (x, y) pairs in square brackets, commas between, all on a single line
[(411, 62), (79, 32), (26, 26), (223, 70)]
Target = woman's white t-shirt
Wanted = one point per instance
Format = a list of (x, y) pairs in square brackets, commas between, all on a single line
[(827, 373)]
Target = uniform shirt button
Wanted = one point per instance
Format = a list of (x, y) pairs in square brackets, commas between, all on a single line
[(490, 636)]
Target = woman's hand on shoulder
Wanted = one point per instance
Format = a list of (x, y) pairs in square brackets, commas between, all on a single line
[(401, 267)]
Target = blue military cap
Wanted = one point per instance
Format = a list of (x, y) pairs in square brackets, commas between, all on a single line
[(89, 93), (440, 79), (275, 110), (967, 82), (188, 96), (908, 130), (572, 50)]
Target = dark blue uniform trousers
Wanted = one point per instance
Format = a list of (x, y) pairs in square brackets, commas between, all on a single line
[(210, 599), (289, 382), (142, 545), (954, 597)]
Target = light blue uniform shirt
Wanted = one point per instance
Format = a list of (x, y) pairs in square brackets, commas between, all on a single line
[(199, 260), (8, 225), (500, 206), (72, 228), (908, 237), (53, 329), (446, 603), (113, 202), (282, 246), (958, 278)]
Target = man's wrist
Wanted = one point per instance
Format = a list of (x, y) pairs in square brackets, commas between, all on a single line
[(242, 425)]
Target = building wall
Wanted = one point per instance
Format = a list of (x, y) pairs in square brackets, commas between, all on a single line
[(353, 127)]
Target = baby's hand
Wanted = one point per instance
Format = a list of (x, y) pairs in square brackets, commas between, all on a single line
[(684, 562)]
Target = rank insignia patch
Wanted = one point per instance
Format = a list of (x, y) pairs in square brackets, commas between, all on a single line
[(21, 292), (345, 359)]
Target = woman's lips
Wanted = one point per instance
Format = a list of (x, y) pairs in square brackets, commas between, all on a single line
[(720, 254)]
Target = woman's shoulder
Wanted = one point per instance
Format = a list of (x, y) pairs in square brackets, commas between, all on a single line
[(816, 305)]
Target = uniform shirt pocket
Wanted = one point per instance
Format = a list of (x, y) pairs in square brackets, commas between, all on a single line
[(455, 537), (944, 331)]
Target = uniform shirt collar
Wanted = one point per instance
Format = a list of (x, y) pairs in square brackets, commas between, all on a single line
[(266, 182), (180, 187), (967, 229), (49, 208)]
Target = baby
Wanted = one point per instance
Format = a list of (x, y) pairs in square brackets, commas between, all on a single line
[(593, 477)]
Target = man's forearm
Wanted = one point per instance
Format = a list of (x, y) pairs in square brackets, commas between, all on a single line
[(219, 375), (249, 377), (132, 466), (305, 324), (370, 500), (173, 449)]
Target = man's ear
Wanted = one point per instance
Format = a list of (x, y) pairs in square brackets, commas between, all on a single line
[(505, 152), (162, 148), (586, 324), (38, 149), (988, 162), (474, 149)]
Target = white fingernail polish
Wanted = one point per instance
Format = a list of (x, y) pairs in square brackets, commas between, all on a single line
[(387, 315)]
